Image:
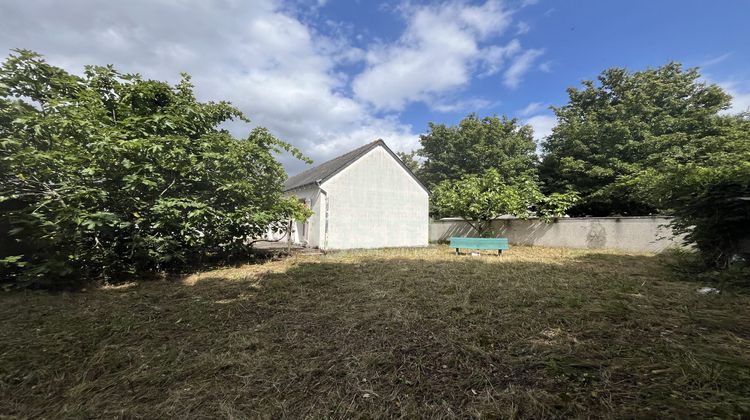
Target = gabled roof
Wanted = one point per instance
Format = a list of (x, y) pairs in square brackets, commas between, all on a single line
[(326, 170)]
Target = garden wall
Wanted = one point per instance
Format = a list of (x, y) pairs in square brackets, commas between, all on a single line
[(637, 234)]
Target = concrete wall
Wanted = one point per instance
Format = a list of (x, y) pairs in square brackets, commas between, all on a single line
[(638, 234), (312, 228), (375, 203)]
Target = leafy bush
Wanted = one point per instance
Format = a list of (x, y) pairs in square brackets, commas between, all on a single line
[(654, 141), (108, 175), (704, 182), (475, 145), (478, 199), (604, 134)]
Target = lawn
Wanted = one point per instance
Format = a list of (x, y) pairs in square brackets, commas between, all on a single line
[(410, 332)]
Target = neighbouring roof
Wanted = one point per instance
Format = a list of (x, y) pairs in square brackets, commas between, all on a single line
[(330, 168)]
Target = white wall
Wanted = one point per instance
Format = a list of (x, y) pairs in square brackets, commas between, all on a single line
[(637, 234), (312, 196), (375, 203)]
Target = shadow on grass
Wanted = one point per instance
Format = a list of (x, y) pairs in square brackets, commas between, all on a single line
[(393, 333)]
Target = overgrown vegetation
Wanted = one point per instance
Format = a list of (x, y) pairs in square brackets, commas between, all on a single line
[(705, 184), (110, 175), (654, 141), (474, 146), (479, 199), (612, 130), (484, 168), (632, 143), (537, 333)]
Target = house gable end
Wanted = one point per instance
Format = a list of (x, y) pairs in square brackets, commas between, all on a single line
[(382, 144)]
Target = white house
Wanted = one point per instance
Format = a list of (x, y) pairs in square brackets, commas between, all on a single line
[(366, 198)]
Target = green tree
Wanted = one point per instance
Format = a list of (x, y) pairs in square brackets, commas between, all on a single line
[(704, 182), (476, 145), (606, 133), (109, 174), (478, 199), (410, 161)]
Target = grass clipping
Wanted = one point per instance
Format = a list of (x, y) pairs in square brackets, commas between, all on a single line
[(410, 332)]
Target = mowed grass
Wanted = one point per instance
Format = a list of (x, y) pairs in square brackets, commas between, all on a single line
[(389, 333)]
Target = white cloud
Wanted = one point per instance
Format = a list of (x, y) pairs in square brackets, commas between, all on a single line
[(464, 106), (438, 52), (520, 66), (522, 28), (740, 97), (256, 54), (739, 91), (542, 125), (494, 57), (714, 60), (531, 109), (271, 62), (546, 67)]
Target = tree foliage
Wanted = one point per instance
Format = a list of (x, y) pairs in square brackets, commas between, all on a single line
[(478, 199), (110, 174), (704, 182), (611, 131), (411, 162), (476, 145)]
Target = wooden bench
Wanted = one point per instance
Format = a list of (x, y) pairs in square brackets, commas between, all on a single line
[(499, 244)]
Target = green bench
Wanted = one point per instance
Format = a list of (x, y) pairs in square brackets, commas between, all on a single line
[(479, 243)]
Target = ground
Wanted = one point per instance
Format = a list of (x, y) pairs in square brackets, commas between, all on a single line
[(411, 332)]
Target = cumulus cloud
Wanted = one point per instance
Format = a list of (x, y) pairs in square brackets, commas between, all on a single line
[(440, 49), (270, 59), (264, 60)]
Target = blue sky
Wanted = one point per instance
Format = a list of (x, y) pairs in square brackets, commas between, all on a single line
[(328, 76), (579, 39)]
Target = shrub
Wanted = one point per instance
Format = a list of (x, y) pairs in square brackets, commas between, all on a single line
[(704, 182), (478, 199), (108, 175)]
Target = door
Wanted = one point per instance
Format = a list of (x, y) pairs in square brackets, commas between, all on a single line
[(303, 228)]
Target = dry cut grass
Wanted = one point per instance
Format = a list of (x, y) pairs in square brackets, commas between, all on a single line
[(390, 333)]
